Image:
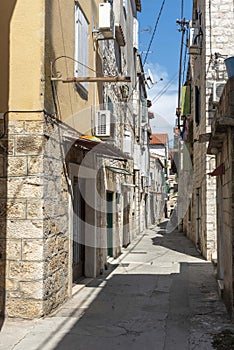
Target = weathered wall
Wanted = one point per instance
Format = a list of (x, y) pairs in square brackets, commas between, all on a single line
[(217, 36), (36, 220), (221, 144), (36, 260)]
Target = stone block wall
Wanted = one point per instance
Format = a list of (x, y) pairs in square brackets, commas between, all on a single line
[(225, 195), (226, 267), (217, 28), (56, 218), (34, 196)]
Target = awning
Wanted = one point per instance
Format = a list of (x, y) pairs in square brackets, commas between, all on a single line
[(128, 185), (101, 148), (118, 170), (220, 170)]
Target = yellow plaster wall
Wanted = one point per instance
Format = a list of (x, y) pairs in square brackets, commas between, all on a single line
[(26, 71), (75, 110), (6, 10), (33, 34)]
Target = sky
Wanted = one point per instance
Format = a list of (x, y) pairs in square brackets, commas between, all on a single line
[(163, 58)]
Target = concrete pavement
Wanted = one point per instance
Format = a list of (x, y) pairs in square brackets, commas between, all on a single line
[(158, 295)]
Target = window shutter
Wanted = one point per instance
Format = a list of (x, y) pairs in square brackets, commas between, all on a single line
[(137, 157), (125, 6), (127, 142), (197, 105), (135, 33), (143, 164), (81, 45), (144, 111)]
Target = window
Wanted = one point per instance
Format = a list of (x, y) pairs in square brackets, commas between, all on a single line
[(118, 56), (127, 142), (144, 118), (125, 6), (135, 33), (197, 105), (81, 46)]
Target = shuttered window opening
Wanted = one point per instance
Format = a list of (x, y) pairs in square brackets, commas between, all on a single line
[(81, 45), (135, 33)]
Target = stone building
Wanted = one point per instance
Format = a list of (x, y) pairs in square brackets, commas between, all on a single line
[(221, 147), (157, 190), (56, 175), (159, 146), (211, 35), (159, 172)]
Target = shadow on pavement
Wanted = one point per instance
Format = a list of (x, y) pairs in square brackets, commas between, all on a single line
[(146, 311), (176, 241)]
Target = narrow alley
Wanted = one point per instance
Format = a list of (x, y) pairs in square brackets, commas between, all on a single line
[(159, 294)]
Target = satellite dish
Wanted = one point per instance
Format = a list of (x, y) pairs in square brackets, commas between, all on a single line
[(150, 77)]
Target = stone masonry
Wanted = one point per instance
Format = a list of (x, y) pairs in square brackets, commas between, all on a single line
[(34, 218), (217, 34), (221, 145)]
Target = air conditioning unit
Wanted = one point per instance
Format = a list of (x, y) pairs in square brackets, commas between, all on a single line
[(217, 90), (102, 123), (106, 20)]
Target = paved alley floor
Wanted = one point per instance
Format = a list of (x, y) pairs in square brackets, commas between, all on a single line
[(160, 294)]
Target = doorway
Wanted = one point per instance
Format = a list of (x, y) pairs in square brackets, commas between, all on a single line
[(78, 246), (109, 219), (126, 224), (198, 218), (220, 230)]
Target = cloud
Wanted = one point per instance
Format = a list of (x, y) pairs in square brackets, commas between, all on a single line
[(164, 96)]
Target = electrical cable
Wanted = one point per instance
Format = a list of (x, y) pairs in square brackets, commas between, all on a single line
[(154, 31), (149, 46), (72, 59), (164, 89)]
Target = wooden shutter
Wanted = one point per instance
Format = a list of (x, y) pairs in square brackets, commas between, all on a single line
[(81, 45)]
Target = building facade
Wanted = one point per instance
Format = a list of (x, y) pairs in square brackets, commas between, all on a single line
[(67, 183), (211, 35), (221, 146), (159, 170), (157, 191)]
